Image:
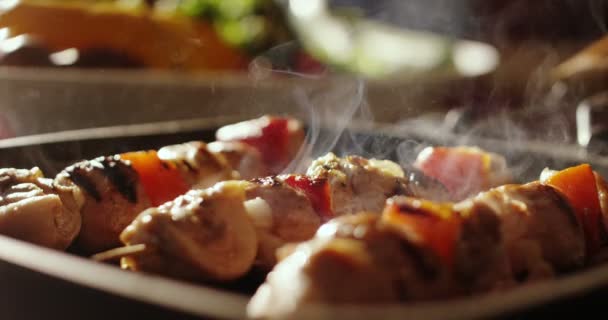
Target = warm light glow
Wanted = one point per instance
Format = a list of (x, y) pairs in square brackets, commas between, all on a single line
[(475, 58), (6, 5), (4, 33), (305, 9), (389, 50), (583, 121), (65, 57), (12, 44)]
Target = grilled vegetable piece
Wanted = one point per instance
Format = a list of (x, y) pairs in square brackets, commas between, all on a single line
[(278, 139), (161, 180), (34, 209), (580, 187), (203, 235), (148, 39), (464, 171), (113, 197)]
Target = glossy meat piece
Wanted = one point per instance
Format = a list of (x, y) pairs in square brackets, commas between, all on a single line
[(352, 259), (358, 184), (204, 235), (33, 209), (244, 159), (538, 226), (602, 189), (200, 167), (281, 213), (113, 197)]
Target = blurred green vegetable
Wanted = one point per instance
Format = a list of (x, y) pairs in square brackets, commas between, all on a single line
[(254, 25)]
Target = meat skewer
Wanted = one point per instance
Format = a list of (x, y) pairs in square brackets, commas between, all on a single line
[(198, 234), (282, 209), (420, 250), (94, 200)]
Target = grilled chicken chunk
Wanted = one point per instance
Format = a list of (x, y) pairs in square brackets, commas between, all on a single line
[(203, 235), (201, 168), (358, 184), (34, 209), (538, 226), (242, 158), (281, 214), (113, 197)]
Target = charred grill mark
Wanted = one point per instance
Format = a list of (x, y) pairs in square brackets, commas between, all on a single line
[(425, 264), (267, 181), (560, 202), (405, 207), (78, 174), (121, 176), (481, 230), (189, 166), (165, 165), (206, 154), (400, 189)]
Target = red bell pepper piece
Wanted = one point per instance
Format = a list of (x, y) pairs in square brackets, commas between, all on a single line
[(269, 135), (317, 190), (463, 171)]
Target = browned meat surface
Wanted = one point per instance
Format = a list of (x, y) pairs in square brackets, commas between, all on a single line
[(200, 167), (602, 189), (33, 209), (112, 199), (352, 260), (281, 214), (359, 184), (203, 235), (246, 160), (539, 228)]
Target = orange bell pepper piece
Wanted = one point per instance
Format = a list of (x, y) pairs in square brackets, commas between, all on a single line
[(161, 180), (579, 186), (427, 224)]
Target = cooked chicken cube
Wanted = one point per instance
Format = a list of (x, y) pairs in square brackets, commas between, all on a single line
[(113, 197), (203, 235), (33, 209)]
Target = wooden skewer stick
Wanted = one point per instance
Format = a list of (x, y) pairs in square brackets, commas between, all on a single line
[(118, 253)]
